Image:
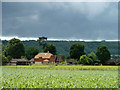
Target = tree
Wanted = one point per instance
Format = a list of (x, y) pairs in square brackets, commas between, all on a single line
[(62, 56), (42, 42), (85, 60), (4, 60), (76, 50), (51, 48), (15, 48), (92, 55), (31, 52), (103, 53)]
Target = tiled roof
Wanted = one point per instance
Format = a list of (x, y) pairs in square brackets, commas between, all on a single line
[(43, 55)]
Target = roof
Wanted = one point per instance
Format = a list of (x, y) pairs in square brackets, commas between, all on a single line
[(16, 60), (43, 55), (31, 60)]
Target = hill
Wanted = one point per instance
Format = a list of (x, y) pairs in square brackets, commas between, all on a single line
[(63, 46)]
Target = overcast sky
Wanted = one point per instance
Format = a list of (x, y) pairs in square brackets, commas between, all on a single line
[(60, 20)]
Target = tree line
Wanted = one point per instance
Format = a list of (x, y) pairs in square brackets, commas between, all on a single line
[(100, 57), (16, 49), (63, 47)]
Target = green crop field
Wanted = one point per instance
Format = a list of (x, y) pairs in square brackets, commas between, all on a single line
[(59, 77)]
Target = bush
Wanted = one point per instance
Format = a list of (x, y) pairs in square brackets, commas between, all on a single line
[(96, 63), (63, 62), (4, 60), (112, 63), (118, 63), (85, 60)]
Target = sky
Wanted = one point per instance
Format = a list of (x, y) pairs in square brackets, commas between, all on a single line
[(60, 20)]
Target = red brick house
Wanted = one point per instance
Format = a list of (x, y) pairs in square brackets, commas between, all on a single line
[(44, 58)]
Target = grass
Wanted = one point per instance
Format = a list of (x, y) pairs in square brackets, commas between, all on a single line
[(35, 77)]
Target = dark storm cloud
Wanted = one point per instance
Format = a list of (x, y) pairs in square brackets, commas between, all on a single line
[(61, 20)]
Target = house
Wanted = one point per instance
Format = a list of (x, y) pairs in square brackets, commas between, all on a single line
[(44, 58), (19, 62)]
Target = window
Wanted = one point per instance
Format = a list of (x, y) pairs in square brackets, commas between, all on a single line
[(40, 57)]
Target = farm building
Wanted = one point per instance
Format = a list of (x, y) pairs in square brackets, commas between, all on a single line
[(58, 59), (44, 58), (32, 61), (19, 62)]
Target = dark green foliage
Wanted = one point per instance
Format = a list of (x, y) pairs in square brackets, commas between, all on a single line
[(103, 53), (31, 52), (4, 60), (9, 58), (63, 47), (24, 57), (42, 41), (111, 63), (51, 48), (118, 63), (67, 57), (76, 50), (62, 56), (85, 60), (15, 48)]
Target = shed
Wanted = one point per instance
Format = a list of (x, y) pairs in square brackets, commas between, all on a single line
[(19, 62), (32, 61)]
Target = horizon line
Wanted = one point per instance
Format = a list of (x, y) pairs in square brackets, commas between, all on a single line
[(50, 39)]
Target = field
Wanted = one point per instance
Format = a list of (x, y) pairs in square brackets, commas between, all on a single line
[(60, 76)]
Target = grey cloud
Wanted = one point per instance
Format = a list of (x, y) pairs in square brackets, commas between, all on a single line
[(61, 20)]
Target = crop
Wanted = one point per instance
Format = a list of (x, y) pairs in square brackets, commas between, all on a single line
[(22, 77)]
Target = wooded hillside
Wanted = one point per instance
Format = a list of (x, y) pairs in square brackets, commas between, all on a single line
[(63, 46)]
